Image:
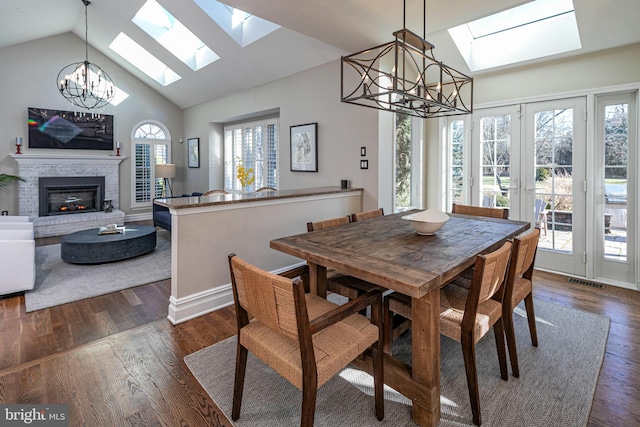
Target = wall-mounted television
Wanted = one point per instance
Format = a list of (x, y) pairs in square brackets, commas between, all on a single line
[(69, 130)]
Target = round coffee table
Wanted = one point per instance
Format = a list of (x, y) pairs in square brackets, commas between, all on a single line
[(89, 247)]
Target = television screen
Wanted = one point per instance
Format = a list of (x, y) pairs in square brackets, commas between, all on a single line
[(68, 129)]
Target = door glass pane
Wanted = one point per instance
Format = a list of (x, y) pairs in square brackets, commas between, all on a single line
[(554, 179), (496, 152), (456, 162), (616, 127), (403, 162)]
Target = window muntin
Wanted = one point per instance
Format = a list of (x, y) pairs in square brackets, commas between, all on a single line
[(255, 145), (150, 146)]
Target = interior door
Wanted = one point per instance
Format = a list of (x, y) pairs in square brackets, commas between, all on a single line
[(553, 166)]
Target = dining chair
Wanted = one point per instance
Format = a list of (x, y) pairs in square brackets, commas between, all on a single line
[(480, 211), (266, 189), (303, 337), (468, 315), (540, 214), (210, 192), (338, 283), (519, 287), (361, 216)]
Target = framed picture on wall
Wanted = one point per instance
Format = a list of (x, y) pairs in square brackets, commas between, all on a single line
[(304, 148), (193, 152)]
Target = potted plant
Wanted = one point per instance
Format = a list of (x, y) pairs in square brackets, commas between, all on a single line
[(6, 180)]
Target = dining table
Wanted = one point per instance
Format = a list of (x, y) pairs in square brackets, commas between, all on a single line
[(389, 253)]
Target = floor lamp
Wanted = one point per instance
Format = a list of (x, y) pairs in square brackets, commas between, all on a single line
[(166, 171)]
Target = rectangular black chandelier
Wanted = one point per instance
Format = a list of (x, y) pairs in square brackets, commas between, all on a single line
[(404, 77)]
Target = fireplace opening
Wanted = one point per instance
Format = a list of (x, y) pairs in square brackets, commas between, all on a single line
[(70, 195)]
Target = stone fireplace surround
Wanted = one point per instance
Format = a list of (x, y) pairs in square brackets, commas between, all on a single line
[(33, 166)]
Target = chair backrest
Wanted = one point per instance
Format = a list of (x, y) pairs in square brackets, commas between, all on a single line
[(327, 223), (524, 252), (480, 211), (361, 216), (489, 272), (266, 189), (266, 296), (210, 192), (523, 257), (539, 207)]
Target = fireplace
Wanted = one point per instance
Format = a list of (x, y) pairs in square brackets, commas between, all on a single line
[(70, 195)]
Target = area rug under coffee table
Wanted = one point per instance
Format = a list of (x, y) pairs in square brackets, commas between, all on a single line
[(556, 385), (58, 282)]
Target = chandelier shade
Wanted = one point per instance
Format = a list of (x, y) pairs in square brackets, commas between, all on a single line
[(84, 84), (403, 76)]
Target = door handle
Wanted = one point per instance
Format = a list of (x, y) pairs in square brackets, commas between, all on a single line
[(514, 186)]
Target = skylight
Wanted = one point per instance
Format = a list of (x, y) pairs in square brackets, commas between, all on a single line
[(241, 26), (143, 60), (163, 27), (534, 30)]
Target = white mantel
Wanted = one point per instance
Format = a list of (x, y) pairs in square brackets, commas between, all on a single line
[(47, 159), (33, 166)]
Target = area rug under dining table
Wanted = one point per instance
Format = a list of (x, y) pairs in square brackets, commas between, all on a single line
[(556, 385)]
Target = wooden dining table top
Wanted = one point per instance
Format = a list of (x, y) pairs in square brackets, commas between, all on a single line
[(387, 251)]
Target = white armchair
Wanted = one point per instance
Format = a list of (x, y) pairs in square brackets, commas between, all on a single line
[(17, 257), (5, 218)]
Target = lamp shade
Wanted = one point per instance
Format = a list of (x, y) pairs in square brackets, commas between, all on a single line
[(166, 171)]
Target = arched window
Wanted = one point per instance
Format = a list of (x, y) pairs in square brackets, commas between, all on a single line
[(150, 146)]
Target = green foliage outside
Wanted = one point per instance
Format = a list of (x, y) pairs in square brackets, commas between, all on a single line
[(403, 160)]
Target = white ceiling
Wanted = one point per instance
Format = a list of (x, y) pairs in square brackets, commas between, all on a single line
[(314, 32)]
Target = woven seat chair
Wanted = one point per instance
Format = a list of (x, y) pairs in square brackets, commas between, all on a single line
[(480, 211), (468, 315), (338, 283), (519, 287), (302, 337), (477, 211), (361, 216)]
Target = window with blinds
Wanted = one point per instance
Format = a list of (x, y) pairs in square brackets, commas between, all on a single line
[(253, 145), (150, 147)]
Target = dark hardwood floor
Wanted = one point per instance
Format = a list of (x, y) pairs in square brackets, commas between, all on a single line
[(117, 361)]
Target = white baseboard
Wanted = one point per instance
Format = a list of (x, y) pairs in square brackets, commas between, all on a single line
[(192, 306)]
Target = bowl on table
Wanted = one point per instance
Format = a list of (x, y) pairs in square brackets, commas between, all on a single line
[(427, 222)]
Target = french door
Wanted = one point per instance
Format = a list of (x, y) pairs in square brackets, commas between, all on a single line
[(554, 182), (531, 159), (614, 224)]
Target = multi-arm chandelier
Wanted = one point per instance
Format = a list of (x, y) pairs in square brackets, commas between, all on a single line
[(85, 84), (403, 76)]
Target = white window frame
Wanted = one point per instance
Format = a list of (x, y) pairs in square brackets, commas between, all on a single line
[(247, 154), (448, 158), (157, 146)]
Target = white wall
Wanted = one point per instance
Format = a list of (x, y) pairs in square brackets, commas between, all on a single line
[(582, 73), (306, 97), (29, 72)]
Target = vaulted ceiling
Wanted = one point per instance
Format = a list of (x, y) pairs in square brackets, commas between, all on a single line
[(313, 32)]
